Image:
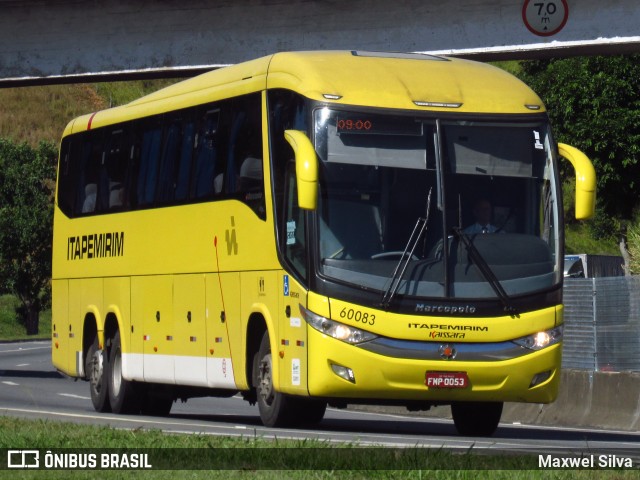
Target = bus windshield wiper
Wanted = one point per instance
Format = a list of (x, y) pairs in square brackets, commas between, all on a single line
[(486, 271), (401, 267)]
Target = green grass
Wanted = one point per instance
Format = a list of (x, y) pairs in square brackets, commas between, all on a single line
[(578, 239), (11, 329), (172, 455)]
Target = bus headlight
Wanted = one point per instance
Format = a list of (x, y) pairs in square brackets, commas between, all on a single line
[(340, 331), (541, 340)]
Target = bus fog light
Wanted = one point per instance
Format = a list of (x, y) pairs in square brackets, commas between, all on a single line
[(538, 378), (343, 372)]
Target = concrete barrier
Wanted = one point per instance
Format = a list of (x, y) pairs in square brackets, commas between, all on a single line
[(601, 400), (608, 400)]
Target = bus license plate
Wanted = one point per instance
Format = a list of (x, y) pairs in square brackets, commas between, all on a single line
[(446, 380)]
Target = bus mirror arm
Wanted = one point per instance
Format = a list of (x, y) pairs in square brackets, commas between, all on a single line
[(585, 180), (306, 168)]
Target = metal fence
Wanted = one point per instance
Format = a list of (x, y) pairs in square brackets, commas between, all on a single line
[(602, 324)]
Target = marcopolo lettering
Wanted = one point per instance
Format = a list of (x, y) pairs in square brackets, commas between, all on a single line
[(96, 245), (421, 307)]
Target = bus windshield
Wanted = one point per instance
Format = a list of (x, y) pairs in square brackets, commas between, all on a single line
[(481, 195)]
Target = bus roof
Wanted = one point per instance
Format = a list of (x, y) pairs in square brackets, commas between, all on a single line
[(385, 80)]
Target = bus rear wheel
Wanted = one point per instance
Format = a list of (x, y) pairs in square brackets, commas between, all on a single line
[(95, 370), (476, 419), (123, 394)]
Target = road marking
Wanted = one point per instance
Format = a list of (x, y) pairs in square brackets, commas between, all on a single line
[(25, 349), (11, 383), (71, 395), (123, 419), (22, 365)]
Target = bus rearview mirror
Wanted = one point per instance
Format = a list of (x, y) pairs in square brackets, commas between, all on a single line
[(306, 168), (585, 180)]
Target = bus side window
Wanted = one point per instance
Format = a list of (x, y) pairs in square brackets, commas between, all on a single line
[(89, 177), (183, 172), (287, 111), (69, 175), (148, 173), (168, 161), (245, 176), (206, 155), (113, 171)]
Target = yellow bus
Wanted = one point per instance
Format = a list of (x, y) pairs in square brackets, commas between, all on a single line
[(313, 229)]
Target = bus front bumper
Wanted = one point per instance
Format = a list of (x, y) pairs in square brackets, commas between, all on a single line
[(341, 370)]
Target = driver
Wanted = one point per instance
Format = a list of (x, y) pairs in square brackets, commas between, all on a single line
[(482, 211)]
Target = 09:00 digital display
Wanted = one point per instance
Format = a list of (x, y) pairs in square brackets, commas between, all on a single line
[(351, 124), (377, 124)]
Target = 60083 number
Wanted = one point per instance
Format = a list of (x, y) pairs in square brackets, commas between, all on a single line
[(358, 316)]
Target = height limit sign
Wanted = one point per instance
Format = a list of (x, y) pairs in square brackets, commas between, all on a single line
[(545, 17)]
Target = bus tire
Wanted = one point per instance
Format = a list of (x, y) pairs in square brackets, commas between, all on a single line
[(476, 419), (95, 367), (123, 395), (276, 409)]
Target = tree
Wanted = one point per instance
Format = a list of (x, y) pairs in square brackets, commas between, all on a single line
[(594, 104), (27, 184)]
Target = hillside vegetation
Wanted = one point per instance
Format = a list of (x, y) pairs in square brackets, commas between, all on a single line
[(35, 114)]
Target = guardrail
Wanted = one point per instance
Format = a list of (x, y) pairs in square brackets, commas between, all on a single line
[(602, 324)]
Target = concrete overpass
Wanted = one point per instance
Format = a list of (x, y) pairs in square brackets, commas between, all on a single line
[(61, 41)]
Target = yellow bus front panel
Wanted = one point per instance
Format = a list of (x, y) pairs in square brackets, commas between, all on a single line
[(380, 377)]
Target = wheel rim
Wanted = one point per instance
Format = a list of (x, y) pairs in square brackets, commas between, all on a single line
[(116, 373), (97, 369), (265, 380)]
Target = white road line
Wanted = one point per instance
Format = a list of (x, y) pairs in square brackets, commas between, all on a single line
[(22, 365), (11, 383), (71, 395), (123, 418), (26, 349)]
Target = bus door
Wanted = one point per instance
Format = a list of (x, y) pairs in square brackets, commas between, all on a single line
[(293, 331), (292, 339)]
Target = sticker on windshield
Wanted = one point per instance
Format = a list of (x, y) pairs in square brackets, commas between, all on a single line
[(538, 145), (291, 232)]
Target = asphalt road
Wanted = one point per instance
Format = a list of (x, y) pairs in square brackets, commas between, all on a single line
[(31, 388)]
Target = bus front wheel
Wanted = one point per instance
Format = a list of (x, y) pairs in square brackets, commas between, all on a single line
[(276, 409), (476, 419)]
